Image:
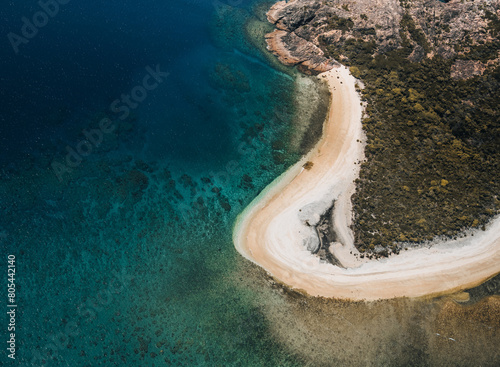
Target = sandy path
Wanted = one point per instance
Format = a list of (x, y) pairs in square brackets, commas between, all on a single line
[(272, 232)]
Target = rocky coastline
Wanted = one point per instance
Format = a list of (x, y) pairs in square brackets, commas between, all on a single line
[(293, 50), (448, 29)]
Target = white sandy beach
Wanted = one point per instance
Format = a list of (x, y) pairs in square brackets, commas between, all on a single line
[(272, 233)]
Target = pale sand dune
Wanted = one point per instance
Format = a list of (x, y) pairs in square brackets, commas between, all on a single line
[(271, 231)]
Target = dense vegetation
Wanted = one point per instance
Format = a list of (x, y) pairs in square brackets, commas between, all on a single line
[(433, 143)]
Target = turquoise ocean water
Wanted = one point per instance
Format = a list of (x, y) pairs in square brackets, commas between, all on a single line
[(131, 136), (122, 234)]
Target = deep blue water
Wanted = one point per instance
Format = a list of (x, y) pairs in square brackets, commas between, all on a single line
[(90, 53), (125, 257)]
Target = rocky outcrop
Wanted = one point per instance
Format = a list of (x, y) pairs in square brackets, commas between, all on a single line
[(465, 69), (429, 27), (292, 15), (294, 50)]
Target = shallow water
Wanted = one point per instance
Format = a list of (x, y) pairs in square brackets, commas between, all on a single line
[(127, 259)]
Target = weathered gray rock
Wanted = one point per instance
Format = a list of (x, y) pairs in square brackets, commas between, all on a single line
[(311, 213), (465, 69), (311, 243), (418, 54), (292, 15)]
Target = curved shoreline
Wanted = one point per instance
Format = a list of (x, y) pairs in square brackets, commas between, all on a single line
[(272, 233)]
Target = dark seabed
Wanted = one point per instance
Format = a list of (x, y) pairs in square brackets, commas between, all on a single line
[(131, 136)]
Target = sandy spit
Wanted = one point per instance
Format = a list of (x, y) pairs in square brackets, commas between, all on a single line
[(273, 232)]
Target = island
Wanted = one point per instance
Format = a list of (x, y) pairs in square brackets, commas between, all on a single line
[(309, 228)]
